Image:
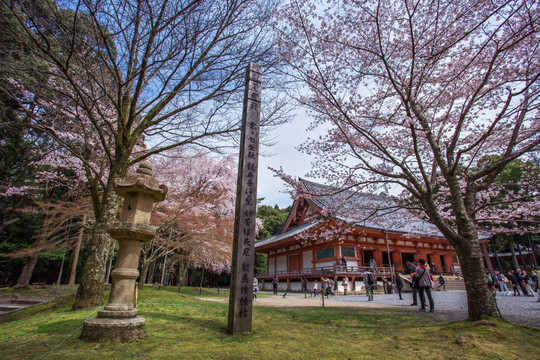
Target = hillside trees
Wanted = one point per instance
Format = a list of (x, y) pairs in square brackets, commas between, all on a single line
[(124, 71), (416, 95)]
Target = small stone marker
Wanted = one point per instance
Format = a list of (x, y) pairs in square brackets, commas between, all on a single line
[(118, 321), (243, 260)]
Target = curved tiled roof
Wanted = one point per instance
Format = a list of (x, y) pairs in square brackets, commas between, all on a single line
[(371, 211)]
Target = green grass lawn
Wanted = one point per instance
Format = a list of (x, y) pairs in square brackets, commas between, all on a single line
[(180, 326)]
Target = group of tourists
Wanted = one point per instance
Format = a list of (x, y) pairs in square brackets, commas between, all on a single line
[(422, 282), (517, 280)]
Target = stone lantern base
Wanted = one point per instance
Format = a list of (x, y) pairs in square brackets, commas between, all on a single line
[(113, 329)]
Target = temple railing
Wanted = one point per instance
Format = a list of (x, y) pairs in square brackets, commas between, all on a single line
[(332, 270)]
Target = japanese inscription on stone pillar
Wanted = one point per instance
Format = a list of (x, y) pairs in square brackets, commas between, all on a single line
[(240, 300)]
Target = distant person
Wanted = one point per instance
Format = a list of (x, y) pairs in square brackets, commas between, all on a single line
[(399, 285), (369, 281), (329, 287), (424, 286), (344, 263), (345, 284), (442, 282), (385, 285), (502, 283), (515, 283), (315, 288), (519, 276), (275, 282), (255, 288), (372, 264), (304, 283), (414, 284), (527, 282)]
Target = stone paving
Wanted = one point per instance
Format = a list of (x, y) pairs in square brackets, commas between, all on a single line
[(449, 305)]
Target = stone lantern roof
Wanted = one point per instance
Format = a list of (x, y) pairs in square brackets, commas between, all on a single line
[(142, 181)]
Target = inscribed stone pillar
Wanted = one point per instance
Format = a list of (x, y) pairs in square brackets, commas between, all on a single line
[(243, 260), (118, 321)]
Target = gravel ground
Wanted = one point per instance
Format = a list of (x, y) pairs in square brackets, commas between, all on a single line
[(449, 305)]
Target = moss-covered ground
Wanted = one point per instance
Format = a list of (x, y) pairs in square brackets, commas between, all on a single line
[(181, 326)]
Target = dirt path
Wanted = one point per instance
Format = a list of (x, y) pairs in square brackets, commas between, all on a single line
[(300, 301)]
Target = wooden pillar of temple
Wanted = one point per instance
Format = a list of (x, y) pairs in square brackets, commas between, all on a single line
[(435, 259), (378, 257), (397, 260), (288, 284), (449, 264)]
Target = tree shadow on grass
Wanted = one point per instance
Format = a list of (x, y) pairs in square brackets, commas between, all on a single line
[(214, 324)]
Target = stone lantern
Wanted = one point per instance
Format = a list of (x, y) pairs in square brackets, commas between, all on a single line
[(118, 321)]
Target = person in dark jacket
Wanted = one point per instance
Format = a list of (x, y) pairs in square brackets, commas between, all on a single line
[(442, 282), (519, 276), (514, 282), (275, 282), (399, 285)]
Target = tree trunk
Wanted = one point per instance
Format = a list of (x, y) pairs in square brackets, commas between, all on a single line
[(152, 271), (532, 252), (480, 299), (109, 265), (91, 289), (76, 251), (59, 279), (24, 278), (513, 251), (163, 271), (499, 266), (144, 272)]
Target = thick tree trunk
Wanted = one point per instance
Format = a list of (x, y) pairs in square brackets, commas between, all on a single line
[(481, 300), (91, 289), (76, 251), (24, 278)]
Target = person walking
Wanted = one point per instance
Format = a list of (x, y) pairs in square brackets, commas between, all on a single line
[(304, 284), (369, 281), (315, 288), (519, 276), (424, 286), (275, 281), (442, 282), (399, 285), (255, 288), (527, 282), (414, 283), (502, 283), (513, 279), (345, 284)]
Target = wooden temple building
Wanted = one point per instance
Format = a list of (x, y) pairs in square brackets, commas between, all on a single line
[(336, 234)]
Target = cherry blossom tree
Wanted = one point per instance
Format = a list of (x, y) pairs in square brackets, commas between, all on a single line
[(125, 71), (197, 217), (435, 98)]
